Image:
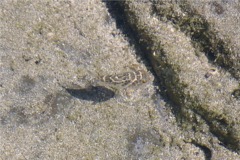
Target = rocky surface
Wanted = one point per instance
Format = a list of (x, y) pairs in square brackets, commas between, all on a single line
[(53, 52)]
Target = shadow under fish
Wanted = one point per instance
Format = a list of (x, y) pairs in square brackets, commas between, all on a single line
[(95, 94)]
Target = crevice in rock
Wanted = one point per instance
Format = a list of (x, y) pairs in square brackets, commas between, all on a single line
[(207, 152), (176, 90), (117, 13), (203, 37)]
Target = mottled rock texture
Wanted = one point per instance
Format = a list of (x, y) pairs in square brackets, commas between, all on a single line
[(53, 55)]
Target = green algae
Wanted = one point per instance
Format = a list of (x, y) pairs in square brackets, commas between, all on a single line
[(173, 56), (203, 36)]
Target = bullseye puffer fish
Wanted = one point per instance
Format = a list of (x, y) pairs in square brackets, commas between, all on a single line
[(105, 87), (133, 77)]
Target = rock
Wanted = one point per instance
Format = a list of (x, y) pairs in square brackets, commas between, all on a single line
[(188, 111)]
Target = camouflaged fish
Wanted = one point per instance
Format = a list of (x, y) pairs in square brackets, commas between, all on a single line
[(122, 80), (105, 87)]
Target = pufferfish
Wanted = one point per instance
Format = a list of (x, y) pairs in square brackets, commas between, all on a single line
[(125, 79), (106, 87)]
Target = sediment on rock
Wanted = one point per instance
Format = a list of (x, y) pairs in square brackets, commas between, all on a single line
[(191, 81), (202, 33)]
